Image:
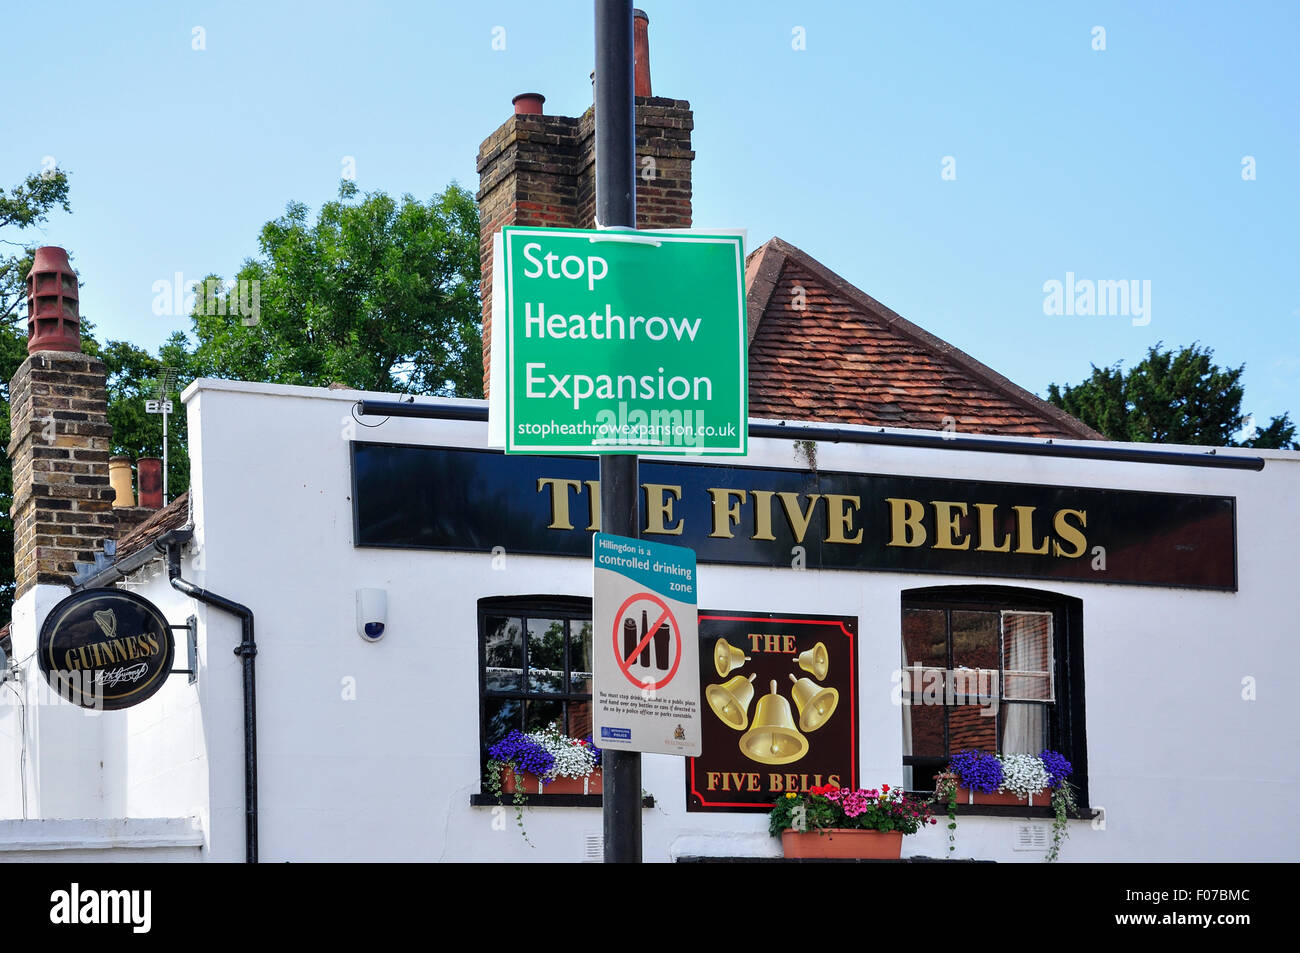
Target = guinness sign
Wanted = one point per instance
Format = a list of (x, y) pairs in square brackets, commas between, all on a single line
[(105, 649)]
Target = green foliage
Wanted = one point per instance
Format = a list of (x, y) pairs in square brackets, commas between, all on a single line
[(1064, 804), (945, 793), (377, 294), (1170, 397), (27, 204), (133, 374)]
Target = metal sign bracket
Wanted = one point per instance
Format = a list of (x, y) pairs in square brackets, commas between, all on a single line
[(191, 627)]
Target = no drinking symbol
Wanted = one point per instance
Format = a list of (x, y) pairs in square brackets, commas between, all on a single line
[(647, 637)]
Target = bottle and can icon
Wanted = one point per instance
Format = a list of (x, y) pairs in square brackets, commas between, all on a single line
[(662, 642)]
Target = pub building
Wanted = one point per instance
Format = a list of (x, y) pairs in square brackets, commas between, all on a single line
[(915, 557)]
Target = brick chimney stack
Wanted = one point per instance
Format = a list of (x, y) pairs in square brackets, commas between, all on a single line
[(60, 435), (541, 170)]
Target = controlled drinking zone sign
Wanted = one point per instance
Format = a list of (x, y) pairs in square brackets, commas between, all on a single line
[(618, 342), (645, 647)]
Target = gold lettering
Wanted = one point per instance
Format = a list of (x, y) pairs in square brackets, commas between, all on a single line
[(947, 524), (987, 527), (712, 782), (559, 499), (762, 514), (796, 517), (1025, 532), (725, 513), (70, 662), (659, 508), (1070, 533), (839, 517), (593, 505), (905, 522)]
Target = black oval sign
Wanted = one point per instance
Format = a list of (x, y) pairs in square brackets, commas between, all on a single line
[(105, 649)]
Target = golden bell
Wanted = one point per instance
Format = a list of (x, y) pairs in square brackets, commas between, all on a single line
[(774, 739), (727, 658), (816, 703), (815, 661), (730, 701)]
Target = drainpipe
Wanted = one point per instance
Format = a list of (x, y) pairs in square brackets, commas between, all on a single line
[(247, 651)]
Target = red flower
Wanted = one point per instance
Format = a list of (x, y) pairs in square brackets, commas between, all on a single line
[(885, 788)]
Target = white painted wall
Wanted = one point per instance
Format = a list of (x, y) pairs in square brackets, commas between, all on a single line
[(389, 775)]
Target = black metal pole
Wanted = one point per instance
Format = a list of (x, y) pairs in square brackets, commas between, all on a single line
[(619, 489)]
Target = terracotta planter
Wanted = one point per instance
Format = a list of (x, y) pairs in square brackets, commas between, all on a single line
[(967, 796), (843, 843), (532, 784)]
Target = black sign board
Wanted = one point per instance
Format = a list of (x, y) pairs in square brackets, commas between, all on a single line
[(780, 708), (445, 498), (105, 648)]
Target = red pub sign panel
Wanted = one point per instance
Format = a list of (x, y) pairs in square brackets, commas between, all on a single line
[(780, 708)]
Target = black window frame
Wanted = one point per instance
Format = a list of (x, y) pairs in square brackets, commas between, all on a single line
[(1065, 717), (569, 608)]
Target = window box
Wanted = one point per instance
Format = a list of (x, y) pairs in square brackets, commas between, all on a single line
[(532, 784), (967, 796), (843, 843)]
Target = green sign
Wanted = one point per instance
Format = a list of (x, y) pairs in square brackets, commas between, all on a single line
[(620, 342)]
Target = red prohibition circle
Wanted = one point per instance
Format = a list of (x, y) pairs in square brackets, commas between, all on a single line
[(625, 664)]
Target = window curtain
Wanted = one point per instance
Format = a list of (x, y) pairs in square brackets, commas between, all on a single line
[(1027, 656)]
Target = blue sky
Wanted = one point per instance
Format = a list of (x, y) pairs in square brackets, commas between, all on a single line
[(1117, 164)]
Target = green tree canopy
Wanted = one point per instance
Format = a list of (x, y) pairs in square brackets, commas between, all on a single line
[(375, 294), (1170, 397), (23, 206)]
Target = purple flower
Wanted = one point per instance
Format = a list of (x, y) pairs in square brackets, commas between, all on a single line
[(524, 753), (979, 772), (1058, 769)]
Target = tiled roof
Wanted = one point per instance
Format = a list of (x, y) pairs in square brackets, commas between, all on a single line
[(172, 516), (829, 352)]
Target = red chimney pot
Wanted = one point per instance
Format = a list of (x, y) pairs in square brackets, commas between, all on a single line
[(148, 474), (528, 104), (640, 53), (53, 315)]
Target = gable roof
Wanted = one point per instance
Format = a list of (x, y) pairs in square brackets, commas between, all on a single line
[(835, 353)]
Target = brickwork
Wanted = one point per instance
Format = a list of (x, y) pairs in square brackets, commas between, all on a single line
[(63, 504), (540, 170)]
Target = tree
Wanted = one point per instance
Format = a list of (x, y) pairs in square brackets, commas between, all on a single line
[(133, 374), (26, 205), (376, 294), (1170, 397)]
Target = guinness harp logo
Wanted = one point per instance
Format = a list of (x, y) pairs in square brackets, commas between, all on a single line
[(105, 649), (107, 622)]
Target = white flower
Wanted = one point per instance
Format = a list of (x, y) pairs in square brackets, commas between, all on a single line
[(573, 759), (1023, 774)]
